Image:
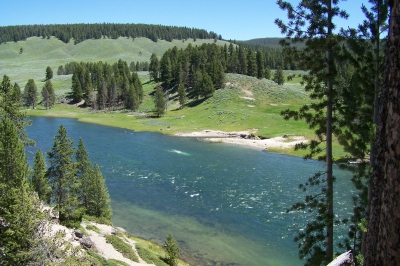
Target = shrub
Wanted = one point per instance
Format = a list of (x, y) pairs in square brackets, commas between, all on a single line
[(172, 249)]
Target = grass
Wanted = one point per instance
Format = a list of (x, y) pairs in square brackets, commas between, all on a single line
[(124, 248), (104, 262), (93, 228), (246, 103), (151, 252), (149, 257)]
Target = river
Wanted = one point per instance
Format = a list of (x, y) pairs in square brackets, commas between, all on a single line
[(225, 204)]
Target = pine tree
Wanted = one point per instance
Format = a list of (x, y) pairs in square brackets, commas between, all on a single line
[(131, 101), (83, 172), (39, 180), (60, 70), (98, 196), (278, 76), (267, 73), (154, 68), (251, 63), (77, 93), (49, 73), (19, 209), (30, 93), (242, 64), (260, 64), (207, 87), (48, 95), (172, 249), (311, 23), (182, 95), (63, 180), (159, 102), (17, 93), (102, 96)]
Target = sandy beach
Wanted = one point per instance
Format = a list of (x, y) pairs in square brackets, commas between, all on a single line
[(245, 138)]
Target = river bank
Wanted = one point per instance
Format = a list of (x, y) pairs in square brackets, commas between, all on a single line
[(138, 122), (246, 138)]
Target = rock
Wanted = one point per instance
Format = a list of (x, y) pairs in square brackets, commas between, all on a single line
[(114, 231), (78, 233), (86, 242), (121, 230)]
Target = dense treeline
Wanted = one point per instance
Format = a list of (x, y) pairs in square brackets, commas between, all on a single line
[(102, 85), (81, 32), (191, 67), (185, 66), (261, 42)]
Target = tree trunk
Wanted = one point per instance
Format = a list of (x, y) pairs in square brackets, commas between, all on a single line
[(329, 160), (383, 244), (375, 121)]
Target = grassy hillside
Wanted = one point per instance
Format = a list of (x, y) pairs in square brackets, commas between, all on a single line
[(245, 103), (39, 53)]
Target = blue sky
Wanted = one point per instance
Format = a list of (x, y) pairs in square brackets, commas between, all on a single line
[(233, 19)]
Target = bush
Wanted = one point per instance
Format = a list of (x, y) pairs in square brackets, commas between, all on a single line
[(172, 249)]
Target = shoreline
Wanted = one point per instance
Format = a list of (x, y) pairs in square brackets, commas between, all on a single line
[(245, 138)]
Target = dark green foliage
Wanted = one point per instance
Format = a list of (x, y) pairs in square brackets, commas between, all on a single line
[(149, 257), (154, 68), (98, 198), (49, 98), (83, 172), (267, 73), (49, 73), (104, 86), (251, 63), (30, 94), (182, 95), (131, 101), (16, 94), (125, 249), (181, 66), (93, 193), (82, 32), (311, 23), (60, 70), (172, 249), (20, 215), (77, 93), (260, 64), (206, 86), (242, 61), (159, 102), (39, 180), (63, 180), (278, 76)]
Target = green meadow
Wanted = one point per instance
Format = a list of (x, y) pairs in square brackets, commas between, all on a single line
[(246, 103)]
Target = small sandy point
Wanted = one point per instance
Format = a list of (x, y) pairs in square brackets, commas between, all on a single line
[(241, 138)]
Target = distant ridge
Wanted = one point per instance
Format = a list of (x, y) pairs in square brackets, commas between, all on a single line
[(270, 42), (81, 32)]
